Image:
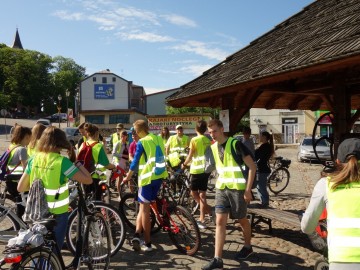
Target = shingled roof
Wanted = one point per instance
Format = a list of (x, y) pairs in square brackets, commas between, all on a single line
[(291, 67)]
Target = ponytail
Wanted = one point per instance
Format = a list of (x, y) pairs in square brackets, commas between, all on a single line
[(346, 173)]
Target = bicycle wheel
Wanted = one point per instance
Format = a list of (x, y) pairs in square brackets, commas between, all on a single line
[(129, 209), (112, 216), (278, 180), (184, 232), (188, 202), (8, 225), (129, 187), (39, 258), (97, 244)]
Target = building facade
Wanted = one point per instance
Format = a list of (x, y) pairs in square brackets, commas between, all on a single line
[(287, 126), (155, 103), (107, 99)]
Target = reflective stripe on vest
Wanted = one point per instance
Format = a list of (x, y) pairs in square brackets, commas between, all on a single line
[(147, 168), (343, 223), (47, 167), (230, 174), (15, 169), (198, 160)]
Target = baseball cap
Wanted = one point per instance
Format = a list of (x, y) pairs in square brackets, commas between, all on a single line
[(349, 147), (179, 126), (120, 126)]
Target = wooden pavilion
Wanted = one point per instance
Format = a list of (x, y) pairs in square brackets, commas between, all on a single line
[(311, 61)]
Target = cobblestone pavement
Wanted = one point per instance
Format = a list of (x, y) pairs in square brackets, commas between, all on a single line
[(286, 248)]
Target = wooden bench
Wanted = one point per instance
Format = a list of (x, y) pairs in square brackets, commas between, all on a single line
[(266, 215)]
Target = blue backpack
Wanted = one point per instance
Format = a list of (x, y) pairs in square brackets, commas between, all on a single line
[(4, 160)]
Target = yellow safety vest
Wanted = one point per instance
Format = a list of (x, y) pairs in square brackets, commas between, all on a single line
[(18, 168), (177, 149), (147, 160), (230, 174), (198, 160), (343, 223), (47, 167)]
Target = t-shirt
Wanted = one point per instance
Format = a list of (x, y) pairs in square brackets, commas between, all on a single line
[(132, 148), (19, 154), (262, 156)]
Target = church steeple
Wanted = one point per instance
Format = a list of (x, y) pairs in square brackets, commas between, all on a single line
[(17, 42)]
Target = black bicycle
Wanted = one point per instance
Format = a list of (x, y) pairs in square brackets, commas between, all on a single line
[(92, 247), (279, 177)]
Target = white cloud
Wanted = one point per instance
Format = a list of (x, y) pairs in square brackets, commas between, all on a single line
[(196, 70), (202, 49), (65, 15), (149, 90), (179, 20), (144, 36)]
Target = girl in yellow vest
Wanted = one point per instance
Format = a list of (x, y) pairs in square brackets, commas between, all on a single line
[(340, 194), (36, 132), (99, 155), (121, 155), (165, 134), (199, 179), (54, 170), (149, 183), (17, 163)]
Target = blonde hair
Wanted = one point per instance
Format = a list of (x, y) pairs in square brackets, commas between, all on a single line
[(53, 139), (141, 125), (345, 173), (36, 133)]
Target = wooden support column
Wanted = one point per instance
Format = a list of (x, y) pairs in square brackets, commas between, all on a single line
[(342, 112)]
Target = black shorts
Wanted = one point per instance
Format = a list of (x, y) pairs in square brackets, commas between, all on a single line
[(199, 181)]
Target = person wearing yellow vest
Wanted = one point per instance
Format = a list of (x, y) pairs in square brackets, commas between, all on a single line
[(99, 155), (339, 193), (82, 131), (176, 146), (36, 132), (149, 183), (116, 137), (120, 155), (233, 192), (198, 177), (54, 170), (17, 163), (165, 134)]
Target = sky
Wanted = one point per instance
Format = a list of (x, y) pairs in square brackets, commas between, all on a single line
[(158, 44)]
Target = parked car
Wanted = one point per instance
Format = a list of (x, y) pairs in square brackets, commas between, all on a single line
[(306, 150), (72, 134), (45, 122), (56, 116), (20, 115), (241, 137)]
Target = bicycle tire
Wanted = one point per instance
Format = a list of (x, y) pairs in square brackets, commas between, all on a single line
[(278, 180), (113, 217), (97, 244), (186, 236), (212, 180), (37, 259), (8, 225), (126, 188), (188, 202), (129, 208)]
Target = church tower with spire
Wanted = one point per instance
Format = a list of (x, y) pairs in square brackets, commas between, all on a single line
[(17, 42)]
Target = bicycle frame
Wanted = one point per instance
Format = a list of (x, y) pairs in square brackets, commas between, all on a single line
[(6, 235)]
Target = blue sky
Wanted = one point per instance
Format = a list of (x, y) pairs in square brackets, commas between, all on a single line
[(159, 44)]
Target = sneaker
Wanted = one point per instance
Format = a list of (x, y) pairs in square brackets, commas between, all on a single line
[(201, 225), (136, 243), (244, 253), (146, 248), (215, 263)]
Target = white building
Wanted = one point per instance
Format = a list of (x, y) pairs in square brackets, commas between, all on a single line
[(155, 103), (107, 99)]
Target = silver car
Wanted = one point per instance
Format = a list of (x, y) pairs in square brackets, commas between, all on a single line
[(306, 150), (72, 134)]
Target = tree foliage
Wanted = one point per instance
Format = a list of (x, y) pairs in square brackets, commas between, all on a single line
[(30, 79)]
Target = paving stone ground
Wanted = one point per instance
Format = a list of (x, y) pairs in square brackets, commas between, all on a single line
[(285, 248)]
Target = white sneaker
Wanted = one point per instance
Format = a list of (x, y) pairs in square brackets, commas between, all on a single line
[(201, 225), (145, 248)]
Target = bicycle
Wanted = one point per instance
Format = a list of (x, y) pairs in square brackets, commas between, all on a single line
[(176, 220), (111, 215), (279, 177), (92, 247), (10, 223)]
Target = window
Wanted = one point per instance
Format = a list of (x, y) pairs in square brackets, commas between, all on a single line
[(104, 80), (119, 118), (114, 79), (95, 119), (94, 79)]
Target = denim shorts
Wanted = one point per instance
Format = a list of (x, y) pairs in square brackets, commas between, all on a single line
[(231, 201), (148, 193)]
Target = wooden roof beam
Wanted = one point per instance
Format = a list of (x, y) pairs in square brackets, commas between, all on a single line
[(271, 103), (295, 103)]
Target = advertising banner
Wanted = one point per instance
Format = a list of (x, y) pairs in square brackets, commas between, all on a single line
[(104, 91), (157, 122)]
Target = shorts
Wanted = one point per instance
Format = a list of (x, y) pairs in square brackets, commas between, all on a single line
[(231, 201), (149, 192), (199, 182)]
